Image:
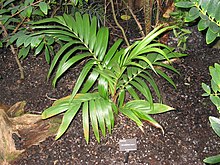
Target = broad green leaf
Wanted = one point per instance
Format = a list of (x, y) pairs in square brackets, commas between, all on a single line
[(70, 22), (138, 105), (205, 4), (24, 52), (206, 88), (21, 39), (215, 75), (217, 13), (215, 87), (167, 67), (214, 27), (213, 7), (56, 32), (147, 61), (215, 123), (212, 159), (203, 16), (215, 100), (61, 20), (85, 118), (184, 4), (193, 11), (46, 21), (144, 90), (190, 18), (35, 41), (7, 2), (149, 38), (203, 24), (28, 11), (160, 108), (67, 118), (210, 36), (27, 42), (43, 7)]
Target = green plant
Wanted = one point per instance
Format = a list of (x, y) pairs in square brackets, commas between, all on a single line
[(108, 76), (213, 92), (15, 16), (208, 13), (181, 35), (215, 124)]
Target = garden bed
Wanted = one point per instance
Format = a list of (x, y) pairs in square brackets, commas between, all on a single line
[(188, 137)]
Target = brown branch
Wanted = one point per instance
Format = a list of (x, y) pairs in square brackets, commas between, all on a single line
[(135, 18), (116, 21), (5, 34), (26, 8)]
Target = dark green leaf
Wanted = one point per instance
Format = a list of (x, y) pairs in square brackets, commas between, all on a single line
[(203, 24), (212, 159), (24, 52), (214, 27), (43, 7), (184, 4), (210, 36), (47, 54), (215, 123), (206, 88)]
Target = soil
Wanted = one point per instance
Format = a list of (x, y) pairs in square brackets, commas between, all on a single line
[(188, 137)]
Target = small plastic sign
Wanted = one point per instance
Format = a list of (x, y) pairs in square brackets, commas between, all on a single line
[(128, 145)]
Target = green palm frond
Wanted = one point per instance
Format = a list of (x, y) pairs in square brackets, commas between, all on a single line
[(141, 109), (95, 110), (107, 76)]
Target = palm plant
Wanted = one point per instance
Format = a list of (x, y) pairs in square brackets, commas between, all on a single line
[(107, 76)]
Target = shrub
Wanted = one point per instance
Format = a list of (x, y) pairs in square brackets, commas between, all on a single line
[(208, 14), (108, 74)]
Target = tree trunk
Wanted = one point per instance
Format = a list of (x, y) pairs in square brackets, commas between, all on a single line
[(29, 127)]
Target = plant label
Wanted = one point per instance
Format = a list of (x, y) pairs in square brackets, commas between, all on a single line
[(128, 145)]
